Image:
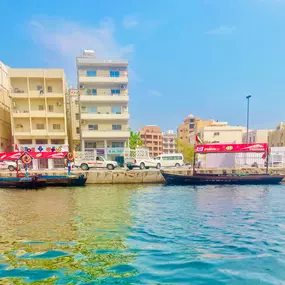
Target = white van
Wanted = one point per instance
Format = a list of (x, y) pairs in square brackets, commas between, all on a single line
[(168, 160)]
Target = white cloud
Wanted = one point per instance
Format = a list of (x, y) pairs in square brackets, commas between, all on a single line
[(64, 40), (222, 30), (130, 22), (154, 93)]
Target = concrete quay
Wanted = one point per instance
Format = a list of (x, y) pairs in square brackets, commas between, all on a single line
[(123, 176)]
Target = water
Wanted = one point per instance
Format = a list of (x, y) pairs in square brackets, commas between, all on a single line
[(143, 235)]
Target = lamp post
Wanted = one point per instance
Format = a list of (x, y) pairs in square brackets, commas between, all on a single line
[(247, 120)]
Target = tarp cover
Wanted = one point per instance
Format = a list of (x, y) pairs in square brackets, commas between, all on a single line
[(33, 154), (231, 148)]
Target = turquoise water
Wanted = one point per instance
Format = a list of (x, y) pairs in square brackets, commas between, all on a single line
[(143, 235)]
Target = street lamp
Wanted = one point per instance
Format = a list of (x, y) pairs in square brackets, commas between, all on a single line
[(247, 120)]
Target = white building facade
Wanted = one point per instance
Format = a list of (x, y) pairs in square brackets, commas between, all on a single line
[(219, 132), (104, 98), (256, 136)]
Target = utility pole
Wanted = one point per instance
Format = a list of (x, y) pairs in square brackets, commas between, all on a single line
[(247, 120)]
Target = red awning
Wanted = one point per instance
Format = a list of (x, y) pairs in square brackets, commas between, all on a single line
[(33, 154), (230, 148)]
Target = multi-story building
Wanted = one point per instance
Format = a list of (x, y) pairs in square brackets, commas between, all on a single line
[(276, 138), (190, 126), (73, 121), (152, 139), (256, 136), (104, 98), (186, 128), (219, 132), (169, 142), (5, 119), (38, 111)]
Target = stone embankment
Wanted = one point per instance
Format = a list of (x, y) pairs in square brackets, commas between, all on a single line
[(123, 176)]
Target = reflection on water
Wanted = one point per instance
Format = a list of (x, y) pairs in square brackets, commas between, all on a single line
[(126, 234)]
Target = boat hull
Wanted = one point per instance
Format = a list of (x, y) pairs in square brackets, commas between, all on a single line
[(204, 179), (40, 181)]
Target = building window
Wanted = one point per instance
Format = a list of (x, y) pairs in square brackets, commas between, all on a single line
[(90, 144), (39, 87), (40, 126), (192, 120), (142, 136), (56, 126), (114, 73), (77, 116), (58, 162), (216, 134), (92, 110), (77, 130), (115, 91), (116, 110), (49, 89), (94, 91), (93, 127), (50, 108), (118, 144), (192, 126), (116, 127), (41, 107), (91, 73)]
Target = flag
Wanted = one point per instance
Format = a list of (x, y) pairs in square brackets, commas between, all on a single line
[(198, 140)]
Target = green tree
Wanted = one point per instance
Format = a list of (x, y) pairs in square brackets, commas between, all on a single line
[(135, 140), (186, 149)]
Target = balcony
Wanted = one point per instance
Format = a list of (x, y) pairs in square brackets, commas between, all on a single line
[(55, 114), (38, 113), (19, 94), (105, 116), (22, 132), (54, 133), (106, 134), (39, 132), (103, 79), (104, 98), (54, 95), (21, 114)]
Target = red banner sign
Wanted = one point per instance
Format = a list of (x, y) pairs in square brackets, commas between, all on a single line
[(218, 148), (33, 154)]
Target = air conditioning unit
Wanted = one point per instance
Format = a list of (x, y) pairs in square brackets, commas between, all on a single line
[(123, 86), (83, 122), (81, 86), (19, 126), (58, 103)]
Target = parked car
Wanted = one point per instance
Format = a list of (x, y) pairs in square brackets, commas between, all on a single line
[(170, 160), (142, 163), (9, 164), (99, 162)]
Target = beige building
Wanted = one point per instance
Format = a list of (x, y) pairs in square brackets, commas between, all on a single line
[(5, 119), (256, 136), (219, 132), (190, 126), (276, 138), (169, 142), (104, 98), (152, 139), (38, 110)]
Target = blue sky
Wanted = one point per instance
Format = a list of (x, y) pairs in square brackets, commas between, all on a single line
[(186, 56)]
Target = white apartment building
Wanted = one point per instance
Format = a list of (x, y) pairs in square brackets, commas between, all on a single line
[(104, 115), (256, 136), (38, 112), (169, 142), (5, 119), (219, 132)]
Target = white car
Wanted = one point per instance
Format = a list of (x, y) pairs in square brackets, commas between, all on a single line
[(100, 162), (143, 163), (170, 160), (9, 164)]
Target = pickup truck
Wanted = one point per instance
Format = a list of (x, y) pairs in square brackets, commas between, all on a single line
[(10, 165), (99, 162), (142, 163)]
